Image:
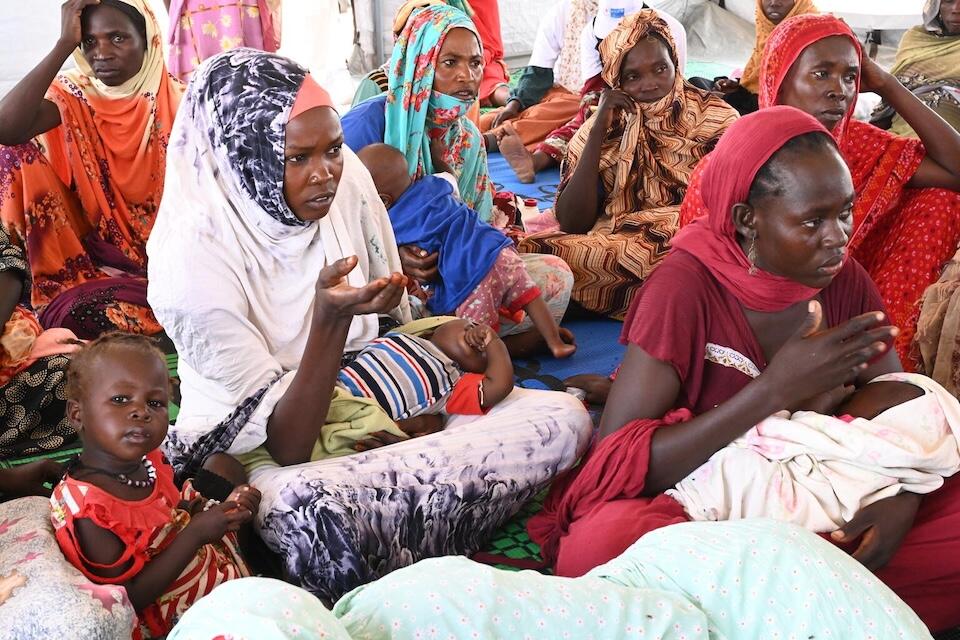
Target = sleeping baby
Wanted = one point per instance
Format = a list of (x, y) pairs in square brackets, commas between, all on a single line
[(898, 433)]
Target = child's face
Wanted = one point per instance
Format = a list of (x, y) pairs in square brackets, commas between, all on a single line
[(451, 339), (123, 410)]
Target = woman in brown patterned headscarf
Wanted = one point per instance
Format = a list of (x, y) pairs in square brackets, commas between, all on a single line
[(626, 170)]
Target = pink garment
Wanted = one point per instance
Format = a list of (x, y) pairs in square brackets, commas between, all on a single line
[(200, 29), (504, 291)]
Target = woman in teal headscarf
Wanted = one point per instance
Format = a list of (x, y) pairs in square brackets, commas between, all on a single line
[(434, 76)]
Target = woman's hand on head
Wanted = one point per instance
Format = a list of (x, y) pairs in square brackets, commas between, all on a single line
[(881, 527), (873, 77), (612, 102), (418, 264), (335, 298), (815, 362), (70, 31)]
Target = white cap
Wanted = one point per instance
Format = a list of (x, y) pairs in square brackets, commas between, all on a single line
[(611, 12)]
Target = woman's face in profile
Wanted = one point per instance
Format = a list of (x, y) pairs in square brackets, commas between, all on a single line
[(803, 227), (312, 162)]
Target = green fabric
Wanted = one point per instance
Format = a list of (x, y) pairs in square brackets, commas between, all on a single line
[(703, 580), (258, 609), (533, 84), (369, 87), (349, 420)]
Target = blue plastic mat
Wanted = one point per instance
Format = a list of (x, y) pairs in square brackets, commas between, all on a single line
[(598, 351), (544, 189)]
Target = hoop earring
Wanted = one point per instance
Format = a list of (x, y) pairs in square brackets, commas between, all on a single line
[(752, 256)]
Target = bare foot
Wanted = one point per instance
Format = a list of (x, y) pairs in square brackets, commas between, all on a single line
[(596, 386), (562, 350), (520, 160)]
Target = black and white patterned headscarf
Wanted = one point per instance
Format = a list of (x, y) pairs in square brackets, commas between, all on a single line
[(245, 96)]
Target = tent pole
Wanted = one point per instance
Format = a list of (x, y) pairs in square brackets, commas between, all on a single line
[(378, 32)]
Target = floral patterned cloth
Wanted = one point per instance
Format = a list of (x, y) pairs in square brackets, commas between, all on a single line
[(415, 114), (698, 581), (42, 596), (200, 29), (81, 199)]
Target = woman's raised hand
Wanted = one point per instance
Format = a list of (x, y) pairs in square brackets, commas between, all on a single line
[(813, 362), (611, 102), (336, 298), (70, 20)]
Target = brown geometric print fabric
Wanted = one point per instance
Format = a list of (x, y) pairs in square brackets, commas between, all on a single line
[(33, 407), (645, 164)]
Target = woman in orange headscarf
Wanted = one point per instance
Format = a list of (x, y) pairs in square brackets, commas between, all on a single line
[(626, 170), (82, 197), (742, 94)]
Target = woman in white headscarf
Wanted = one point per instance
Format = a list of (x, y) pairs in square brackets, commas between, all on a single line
[(271, 258)]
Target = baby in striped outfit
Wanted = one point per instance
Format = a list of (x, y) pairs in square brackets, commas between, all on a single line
[(462, 368)]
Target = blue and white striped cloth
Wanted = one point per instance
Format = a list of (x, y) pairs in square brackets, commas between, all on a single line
[(407, 376)]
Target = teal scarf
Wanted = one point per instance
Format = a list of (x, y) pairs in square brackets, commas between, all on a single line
[(416, 114)]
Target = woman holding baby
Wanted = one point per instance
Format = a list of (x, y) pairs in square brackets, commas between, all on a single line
[(757, 309)]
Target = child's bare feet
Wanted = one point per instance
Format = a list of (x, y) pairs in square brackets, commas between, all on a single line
[(520, 160), (596, 386), (563, 345)]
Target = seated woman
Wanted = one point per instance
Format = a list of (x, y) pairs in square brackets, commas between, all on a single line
[(82, 199), (627, 168), (928, 64), (527, 160), (200, 29), (741, 93), (907, 214), (434, 81), (282, 271), (33, 368), (724, 334)]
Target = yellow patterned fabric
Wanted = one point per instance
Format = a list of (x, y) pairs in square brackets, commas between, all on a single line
[(645, 164), (751, 71)]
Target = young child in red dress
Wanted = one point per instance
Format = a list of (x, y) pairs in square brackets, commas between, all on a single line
[(117, 514)]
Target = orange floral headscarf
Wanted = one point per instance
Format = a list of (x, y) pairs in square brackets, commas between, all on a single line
[(112, 142)]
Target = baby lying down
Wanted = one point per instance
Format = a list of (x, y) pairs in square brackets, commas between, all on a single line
[(899, 433)]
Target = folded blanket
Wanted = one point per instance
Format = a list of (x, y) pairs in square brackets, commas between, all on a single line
[(817, 471)]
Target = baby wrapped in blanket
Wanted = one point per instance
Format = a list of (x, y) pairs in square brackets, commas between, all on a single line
[(899, 433)]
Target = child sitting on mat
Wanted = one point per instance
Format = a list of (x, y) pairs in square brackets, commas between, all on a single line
[(481, 276), (462, 368), (117, 514)]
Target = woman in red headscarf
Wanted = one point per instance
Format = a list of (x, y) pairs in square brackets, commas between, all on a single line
[(757, 309), (907, 214)]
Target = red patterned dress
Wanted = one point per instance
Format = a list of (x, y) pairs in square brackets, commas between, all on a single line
[(146, 527)]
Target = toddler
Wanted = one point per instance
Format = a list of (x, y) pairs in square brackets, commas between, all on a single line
[(117, 514), (463, 368), (481, 275)]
